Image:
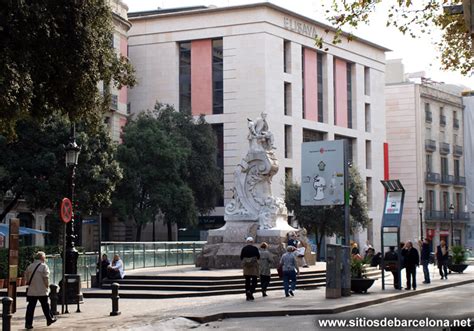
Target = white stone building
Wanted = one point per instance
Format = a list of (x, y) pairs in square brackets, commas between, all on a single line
[(232, 63), (426, 147)]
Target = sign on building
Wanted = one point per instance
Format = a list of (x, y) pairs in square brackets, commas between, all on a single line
[(322, 173)]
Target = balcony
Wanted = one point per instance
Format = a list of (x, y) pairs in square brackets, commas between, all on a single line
[(456, 123), (430, 145), (442, 120), (432, 178), (459, 181), (447, 179), (435, 215), (444, 148), (428, 116), (457, 150)]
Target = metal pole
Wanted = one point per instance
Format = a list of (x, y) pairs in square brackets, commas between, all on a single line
[(99, 281), (346, 270), (63, 285), (452, 230), (421, 223), (6, 313), (115, 300)]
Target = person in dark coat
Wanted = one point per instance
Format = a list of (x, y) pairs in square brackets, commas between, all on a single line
[(412, 261), (292, 241), (391, 264), (425, 259), (442, 255), (249, 257), (102, 267)]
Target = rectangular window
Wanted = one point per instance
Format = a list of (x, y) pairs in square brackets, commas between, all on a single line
[(445, 201), (429, 163), (428, 133), (287, 56), (219, 132), (456, 168), (368, 154), (217, 77), (368, 184), (320, 87), (367, 117), (287, 99), (431, 203), (459, 203), (349, 95), (288, 151), (367, 80), (313, 135), (442, 117), (444, 166), (302, 85), (288, 175), (185, 77)]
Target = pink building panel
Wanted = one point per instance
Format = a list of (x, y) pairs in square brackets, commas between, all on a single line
[(340, 92), (201, 77), (310, 85)]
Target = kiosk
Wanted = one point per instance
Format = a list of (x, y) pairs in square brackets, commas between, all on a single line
[(391, 221)]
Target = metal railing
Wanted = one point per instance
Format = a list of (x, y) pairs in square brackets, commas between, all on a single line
[(456, 123), (430, 145), (447, 179), (457, 150), (459, 181), (445, 215), (443, 148), (432, 177), (135, 255)]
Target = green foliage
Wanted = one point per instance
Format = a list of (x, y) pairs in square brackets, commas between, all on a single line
[(169, 167), (358, 269), (54, 54), (329, 220), (414, 18), (459, 254), (26, 256), (33, 166)]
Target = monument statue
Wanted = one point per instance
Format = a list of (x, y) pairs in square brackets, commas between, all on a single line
[(253, 210)]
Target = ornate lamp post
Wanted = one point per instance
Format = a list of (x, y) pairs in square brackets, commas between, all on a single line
[(451, 212), (72, 156), (420, 208)]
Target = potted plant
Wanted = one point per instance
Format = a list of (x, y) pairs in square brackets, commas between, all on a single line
[(359, 281), (458, 259)]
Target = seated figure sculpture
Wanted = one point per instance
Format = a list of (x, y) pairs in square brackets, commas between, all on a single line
[(260, 137)]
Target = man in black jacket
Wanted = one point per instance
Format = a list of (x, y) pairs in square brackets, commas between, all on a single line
[(425, 259), (249, 257), (412, 261)]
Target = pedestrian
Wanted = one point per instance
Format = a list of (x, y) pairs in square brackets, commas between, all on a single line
[(442, 255), (37, 277), (292, 241), (425, 259), (299, 253), (366, 247), (102, 267), (412, 261), (289, 265), (391, 264), (115, 270), (265, 263), (249, 257), (355, 249)]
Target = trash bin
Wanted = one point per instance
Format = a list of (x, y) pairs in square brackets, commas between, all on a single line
[(73, 289)]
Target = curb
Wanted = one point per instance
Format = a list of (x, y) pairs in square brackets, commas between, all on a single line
[(326, 311)]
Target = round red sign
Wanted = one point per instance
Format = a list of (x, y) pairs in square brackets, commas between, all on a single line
[(66, 210)]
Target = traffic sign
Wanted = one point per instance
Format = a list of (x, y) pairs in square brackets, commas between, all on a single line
[(66, 210)]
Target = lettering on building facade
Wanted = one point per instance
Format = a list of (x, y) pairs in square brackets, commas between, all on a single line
[(300, 27)]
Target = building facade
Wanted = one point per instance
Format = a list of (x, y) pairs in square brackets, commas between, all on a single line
[(233, 63), (426, 143)]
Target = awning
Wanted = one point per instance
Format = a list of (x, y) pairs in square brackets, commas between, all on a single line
[(4, 231)]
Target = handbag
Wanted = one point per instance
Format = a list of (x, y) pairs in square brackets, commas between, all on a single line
[(31, 278)]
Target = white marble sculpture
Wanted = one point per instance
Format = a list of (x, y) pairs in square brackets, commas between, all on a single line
[(253, 200)]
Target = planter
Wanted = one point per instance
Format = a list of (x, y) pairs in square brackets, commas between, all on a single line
[(361, 285), (457, 267)]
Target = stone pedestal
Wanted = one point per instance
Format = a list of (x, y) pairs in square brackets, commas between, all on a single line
[(224, 245)]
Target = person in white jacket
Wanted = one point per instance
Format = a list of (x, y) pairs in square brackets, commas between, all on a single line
[(37, 277), (115, 270)]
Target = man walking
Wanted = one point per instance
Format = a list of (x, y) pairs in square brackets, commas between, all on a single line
[(249, 257), (425, 259), (412, 261), (37, 277)]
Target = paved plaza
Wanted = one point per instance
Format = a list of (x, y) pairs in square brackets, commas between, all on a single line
[(222, 311)]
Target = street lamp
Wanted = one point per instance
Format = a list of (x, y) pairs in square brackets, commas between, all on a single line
[(72, 156), (420, 208), (451, 211)]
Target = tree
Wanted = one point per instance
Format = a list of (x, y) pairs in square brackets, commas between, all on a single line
[(54, 54), (169, 168), (329, 220), (33, 166), (415, 18)]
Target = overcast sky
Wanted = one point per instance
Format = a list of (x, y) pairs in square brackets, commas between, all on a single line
[(417, 54)]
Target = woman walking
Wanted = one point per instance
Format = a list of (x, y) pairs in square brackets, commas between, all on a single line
[(442, 255), (265, 262), (289, 265)]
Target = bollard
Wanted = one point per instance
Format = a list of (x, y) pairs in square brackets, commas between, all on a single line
[(115, 300), (6, 314), (79, 296), (53, 297)]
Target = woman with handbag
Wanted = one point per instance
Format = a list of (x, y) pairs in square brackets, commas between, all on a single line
[(289, 265), (37, 277)]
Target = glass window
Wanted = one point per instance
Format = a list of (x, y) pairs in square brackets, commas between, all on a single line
[(313, 135), (217, 77), (368, 184), (368, 154), (288, 175), (320, 87), (444, 166), (367, 80), (349, 95), (367, 117), (288, 152), (185, 77), (219, 132), (287, 56), (429, 163), (287, 99), (456, 168)]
